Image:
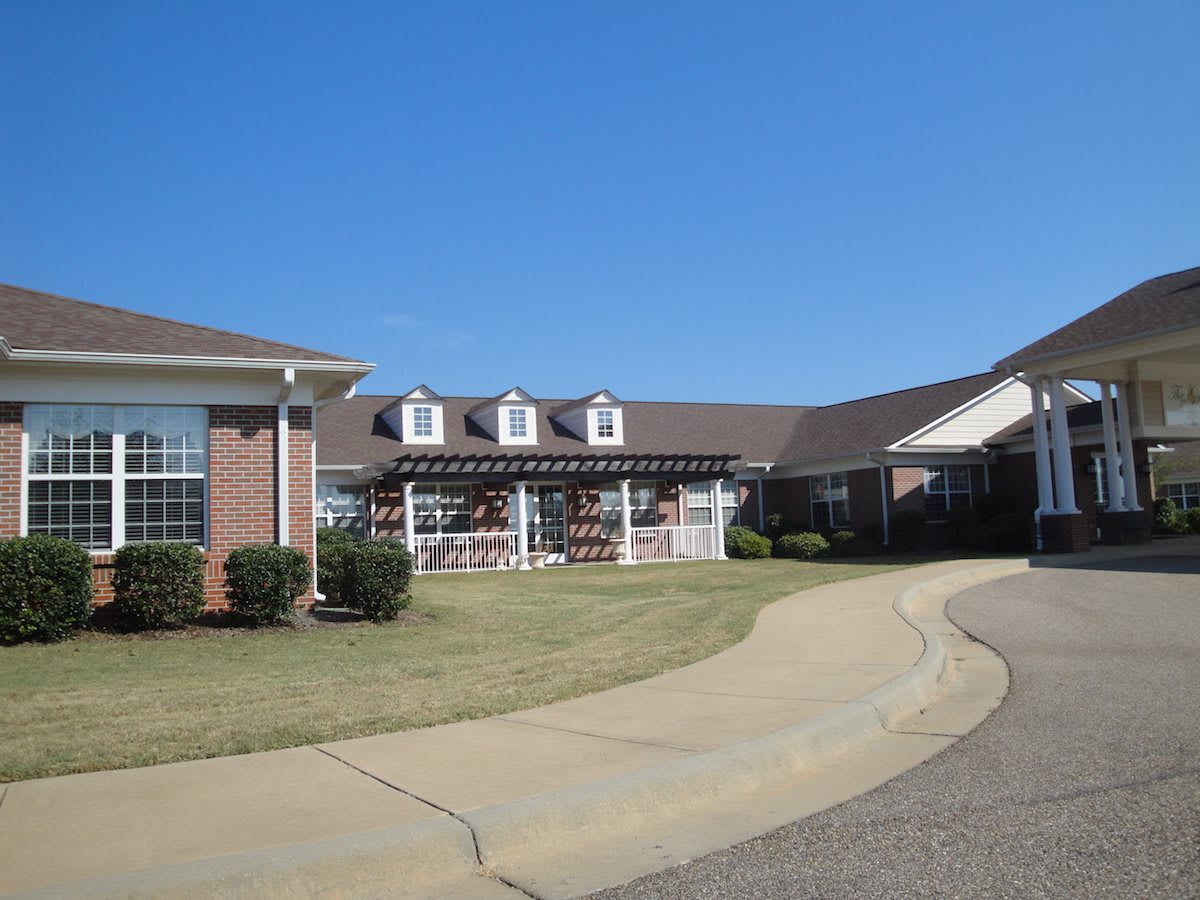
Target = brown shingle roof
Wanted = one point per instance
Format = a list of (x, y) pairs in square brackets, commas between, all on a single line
[(33, 320), (1163, 304), (1184, 462), (352, 433)]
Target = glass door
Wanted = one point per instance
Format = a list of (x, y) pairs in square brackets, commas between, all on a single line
[(545, 508)]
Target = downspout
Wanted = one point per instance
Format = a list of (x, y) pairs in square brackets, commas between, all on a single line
[(282, 463), (883, 497), (762, 516), (318, 404)]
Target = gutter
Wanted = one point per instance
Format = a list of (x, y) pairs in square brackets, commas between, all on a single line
[(153, 359), (283, 465), (883, 494)]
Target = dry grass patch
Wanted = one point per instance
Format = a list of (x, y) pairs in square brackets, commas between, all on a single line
[(475, 645)]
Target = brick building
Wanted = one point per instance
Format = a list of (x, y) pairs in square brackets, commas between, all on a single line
[(117, 426)]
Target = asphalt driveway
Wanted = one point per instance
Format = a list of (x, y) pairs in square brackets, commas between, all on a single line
[(1085, 783)]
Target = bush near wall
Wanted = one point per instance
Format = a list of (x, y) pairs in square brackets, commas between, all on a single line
[(334, 548), (1193, 519), (1168, 518), (905, 529), (848, 543), (45, 589), (157, 584), (264, 581), (802, 545), (378, 577), (742, 543)]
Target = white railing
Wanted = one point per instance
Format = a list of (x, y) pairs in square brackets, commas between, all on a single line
[(671, 543), (481, 551)]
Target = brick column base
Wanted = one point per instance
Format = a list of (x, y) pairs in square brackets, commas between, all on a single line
[(1125, 527), (1065, 533)]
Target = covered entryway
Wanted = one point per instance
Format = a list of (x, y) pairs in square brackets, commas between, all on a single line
[(545, 520)]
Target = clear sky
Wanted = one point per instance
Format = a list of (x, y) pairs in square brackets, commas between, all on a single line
[(754, 202)]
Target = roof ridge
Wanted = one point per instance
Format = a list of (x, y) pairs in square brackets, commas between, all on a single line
[(144, 315)]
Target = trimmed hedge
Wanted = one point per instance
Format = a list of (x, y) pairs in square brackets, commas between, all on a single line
[(1193, 519), (334, 548), (1168, 518), (157, 584), (802, 545), (847, 543), (45, 589), (742, 543), (264, 581), (906, 528), (377, 579)]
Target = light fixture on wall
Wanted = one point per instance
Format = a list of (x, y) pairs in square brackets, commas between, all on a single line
[(497, 503)]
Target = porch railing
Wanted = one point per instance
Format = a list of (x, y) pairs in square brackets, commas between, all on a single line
[(480, 551), (671, 543)]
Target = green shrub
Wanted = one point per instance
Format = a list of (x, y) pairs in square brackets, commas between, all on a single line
[(962, 527), (377, 578), (802, 545), (906, 529), (45, 588), (1193, 519), (1168, 519), (777, 526), (264, 581), (1007, 533), (157, 584), (334, 549), (847, 543), (742, 543)]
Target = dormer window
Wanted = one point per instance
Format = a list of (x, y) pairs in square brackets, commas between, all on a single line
[(518, 426), (604, 423), (423, 421)]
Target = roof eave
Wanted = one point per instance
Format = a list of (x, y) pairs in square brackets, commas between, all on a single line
[(208, 362), (1011, 364)]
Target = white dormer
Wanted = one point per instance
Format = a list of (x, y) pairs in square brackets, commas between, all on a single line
[(417, 417), (510, 418), (597, 419)]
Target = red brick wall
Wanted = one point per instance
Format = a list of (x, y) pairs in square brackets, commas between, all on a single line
[(865, 508), (10, 469), (301, 524), (389, 514), (484, 517), (584, 543), (748, 504), (789, 497), (908, 488)]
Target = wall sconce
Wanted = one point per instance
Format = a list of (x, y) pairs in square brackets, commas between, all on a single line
[(497, 503)]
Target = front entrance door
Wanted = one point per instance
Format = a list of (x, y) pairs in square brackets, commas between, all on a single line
[(546, 511)]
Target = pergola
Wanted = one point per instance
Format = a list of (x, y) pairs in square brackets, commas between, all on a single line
[(1144, 345)]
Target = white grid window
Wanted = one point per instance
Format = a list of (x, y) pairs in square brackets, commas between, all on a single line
[(829, 496), (105, 475), (605, 427), (341, 506), (946, 488), (422, 421), (699, 503), (1185, 495), (517, 425), (442, 509), (643, 507)]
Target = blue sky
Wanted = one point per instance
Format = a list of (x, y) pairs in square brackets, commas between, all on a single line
[(780, 203)]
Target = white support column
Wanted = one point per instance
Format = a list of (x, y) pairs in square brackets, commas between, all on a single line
[(681, 505), (626, 525), (1112, 465), (409, 537), (1041, 448), (1125, 438), (522, 529), (1064, 478), (718, 515)]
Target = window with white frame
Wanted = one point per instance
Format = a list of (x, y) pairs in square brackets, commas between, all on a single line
[(829, 496), (102, 476), (341, 506), (605, 425), (422, 421), (946, 488), (518, 426), (442, 508), (699, 503), (643, 507), (1186, 495)]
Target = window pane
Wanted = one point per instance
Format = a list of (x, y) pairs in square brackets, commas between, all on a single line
[(699, 495), (70, 440), (423, 421), (935, 479), (935, 507), (164, 510), (170, 439), (700, 516), (80, 511), (840, 513), (958, 478)]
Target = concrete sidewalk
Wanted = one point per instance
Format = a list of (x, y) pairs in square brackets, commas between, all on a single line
[(836, 690)]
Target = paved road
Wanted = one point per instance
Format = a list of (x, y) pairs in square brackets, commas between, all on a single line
[(1085, 783)]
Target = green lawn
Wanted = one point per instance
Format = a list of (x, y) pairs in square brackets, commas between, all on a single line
[(487, 643)]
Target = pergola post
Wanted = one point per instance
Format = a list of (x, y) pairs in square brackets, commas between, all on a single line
[(522, 529), (718, 521), (410, 542), (1125, 436), (1112, 462), (1041, 449), (626, 525), (1064, 478)]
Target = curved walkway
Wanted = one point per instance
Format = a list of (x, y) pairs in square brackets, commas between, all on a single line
[(832, 694), (1085, 783)]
